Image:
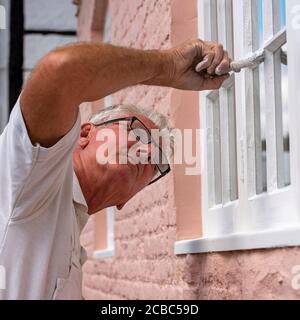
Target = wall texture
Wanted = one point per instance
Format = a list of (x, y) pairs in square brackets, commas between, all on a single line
[(144, 265)]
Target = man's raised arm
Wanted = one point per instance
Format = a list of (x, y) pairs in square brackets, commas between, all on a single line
[(82, 72)]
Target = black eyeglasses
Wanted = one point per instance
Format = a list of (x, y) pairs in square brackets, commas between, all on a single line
[(142, 133)]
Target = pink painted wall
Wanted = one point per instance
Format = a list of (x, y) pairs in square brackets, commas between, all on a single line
[(144, 265)]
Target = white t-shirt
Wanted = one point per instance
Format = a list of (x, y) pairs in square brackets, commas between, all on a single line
[(42, 212)]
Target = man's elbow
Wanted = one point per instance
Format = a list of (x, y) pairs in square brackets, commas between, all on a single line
[(49, 75), (54, 64)]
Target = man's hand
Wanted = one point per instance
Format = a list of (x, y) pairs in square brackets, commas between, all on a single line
[(197, 65)]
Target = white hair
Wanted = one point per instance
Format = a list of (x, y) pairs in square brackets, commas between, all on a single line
[(156, 117)]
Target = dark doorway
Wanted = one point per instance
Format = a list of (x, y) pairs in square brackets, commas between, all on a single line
[(16, 51)]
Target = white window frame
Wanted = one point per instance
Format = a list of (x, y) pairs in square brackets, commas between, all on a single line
[(256, 219)]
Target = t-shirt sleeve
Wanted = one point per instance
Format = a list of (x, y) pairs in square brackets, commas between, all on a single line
[(31, 174)]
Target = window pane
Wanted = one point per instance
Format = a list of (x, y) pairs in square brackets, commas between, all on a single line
[(260, 23), (282, 13), (282, 17)]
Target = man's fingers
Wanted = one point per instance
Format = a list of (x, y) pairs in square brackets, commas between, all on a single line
[(224, 66), (206, 62), (219, 53), (215, 82)]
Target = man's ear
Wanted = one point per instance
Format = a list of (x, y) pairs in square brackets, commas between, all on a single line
[(85, 135)]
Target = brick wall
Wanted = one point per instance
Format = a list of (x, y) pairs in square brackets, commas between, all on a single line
[(144, 265)]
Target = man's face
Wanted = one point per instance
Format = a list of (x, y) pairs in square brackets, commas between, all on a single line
[(115, 155)]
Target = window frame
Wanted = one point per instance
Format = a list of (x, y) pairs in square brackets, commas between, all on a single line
[(271, 218)]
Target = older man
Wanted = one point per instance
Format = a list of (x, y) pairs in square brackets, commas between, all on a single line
[(51, 177)]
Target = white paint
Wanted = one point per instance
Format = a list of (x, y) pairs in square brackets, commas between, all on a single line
[(2, 18), (250, 62)]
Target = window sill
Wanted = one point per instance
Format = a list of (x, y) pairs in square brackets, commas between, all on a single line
[(107, 253), (241, 241)]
